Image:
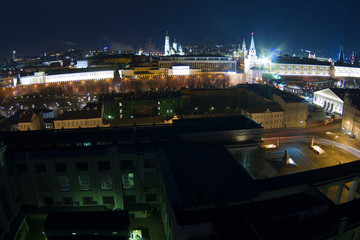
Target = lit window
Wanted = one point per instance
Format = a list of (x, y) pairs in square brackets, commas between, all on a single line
[(84, 182), (106, 182), (64, 184), (128, 180)]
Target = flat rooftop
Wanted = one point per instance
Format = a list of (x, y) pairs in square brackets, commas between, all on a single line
[(198, 175)]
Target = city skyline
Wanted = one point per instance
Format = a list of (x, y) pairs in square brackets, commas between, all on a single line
[(40, 26)]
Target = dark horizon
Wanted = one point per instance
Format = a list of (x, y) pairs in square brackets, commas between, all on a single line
[(39, 26)]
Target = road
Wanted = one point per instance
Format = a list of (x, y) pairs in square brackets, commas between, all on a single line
[(313, 129)]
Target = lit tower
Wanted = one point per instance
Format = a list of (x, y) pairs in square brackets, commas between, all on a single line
[(175, 45), (252, 50), (13, 55), (341, 54), (243, 49), (353, 58), (167, 45)]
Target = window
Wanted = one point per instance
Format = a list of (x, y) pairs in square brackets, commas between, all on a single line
[(298, 68), (40, 167), (88, 201), (60, 167), (84, 182), (306, 68), (43, 184), (127, 164), (128, 180), (48, 201), (282, 68), (149, 163), (106, 182), (83, 166), (289, 68), (129, 200), (151, 197), (150, 180), (21, 167), (314, 68), (104, 165), (68, 201), (64, 184), (108, 200)]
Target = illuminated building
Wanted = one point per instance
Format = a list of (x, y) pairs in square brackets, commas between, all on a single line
[(30, 120), (167, 44), (174, 50), (330, 99), (298, 69), (224, 64), (269, 115), (251, 59), (79, 119), (311, 67), (180, 70), (42, 78), (350, 123), (243, 49), (295, 108), (81, 64)]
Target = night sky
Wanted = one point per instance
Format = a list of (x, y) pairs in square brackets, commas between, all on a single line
[(35, 26)]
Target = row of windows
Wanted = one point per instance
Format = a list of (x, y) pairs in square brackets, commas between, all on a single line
[(128, 182), (84, 166), (107, 200), (72, 123), (298, 68)]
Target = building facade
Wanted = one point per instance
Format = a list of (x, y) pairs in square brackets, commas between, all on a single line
[(295, 109), (328, 100), (269, 116), (217, 64), (350, 123)]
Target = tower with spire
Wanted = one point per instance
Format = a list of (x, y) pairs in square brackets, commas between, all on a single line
[(251, 59), (341, 54), (176, 48), (252, 50), (167, 44), (353, 58), (243, 49)]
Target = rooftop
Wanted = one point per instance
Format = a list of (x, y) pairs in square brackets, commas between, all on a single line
[(273, 107), (101, 220), (288, 97), (196, 186), (215, 124), (81, 114)]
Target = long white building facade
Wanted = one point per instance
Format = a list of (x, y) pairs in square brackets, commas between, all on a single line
[(43, 78)]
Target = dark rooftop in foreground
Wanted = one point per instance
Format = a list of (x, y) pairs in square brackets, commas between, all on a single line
[(214, 178), (106, 220), (215, 124)]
